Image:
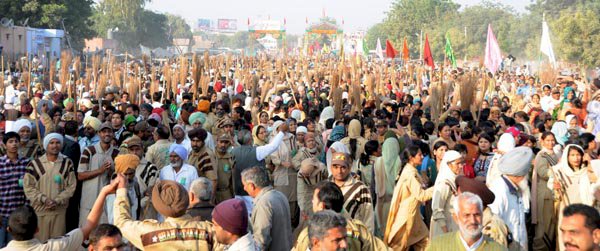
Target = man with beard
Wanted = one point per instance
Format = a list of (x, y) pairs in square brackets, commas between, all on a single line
[(91, 125), (178, 170), (202, 157), (580, 228), (49, 183), (309, 150), (512, 192), (468, 215), (221, 112), (225, 164), (28, 148), (180, 137), (144, 131), (146, 174), (95, 169)]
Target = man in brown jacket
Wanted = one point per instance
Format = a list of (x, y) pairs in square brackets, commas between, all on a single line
[(49, 182)]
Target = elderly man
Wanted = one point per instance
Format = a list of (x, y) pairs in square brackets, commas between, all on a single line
[(468, 214), (580, 228), (28, 148), (91, 126), (327, 231), (512, 192), (493, 226), (270, 218), (200, 194), (49, 183), (95, 168), (230, 220), (178, 170), (443, 190), (284, 173), (357, 197), (328, 196), (308, 150)]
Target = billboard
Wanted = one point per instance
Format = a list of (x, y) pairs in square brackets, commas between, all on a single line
[(227, 24), (203, 24)]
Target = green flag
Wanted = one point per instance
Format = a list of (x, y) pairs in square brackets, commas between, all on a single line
[(449, 51)]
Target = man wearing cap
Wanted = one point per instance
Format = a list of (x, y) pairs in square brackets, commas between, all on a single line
[(171, 200), (225, 163), (178, 170), (328, 196), (49, 183), (308, 150), (95, 169), (357, 204), (90, 137), (230, 220), (493, 227), (28, 148), (443, 192), (201, 157), (512, 192), (468, 210)]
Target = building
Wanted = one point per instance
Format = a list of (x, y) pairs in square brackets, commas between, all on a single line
[(18, 41), (99, 44)]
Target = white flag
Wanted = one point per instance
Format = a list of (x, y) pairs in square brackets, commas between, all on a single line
[(379, 51), (546, 45)]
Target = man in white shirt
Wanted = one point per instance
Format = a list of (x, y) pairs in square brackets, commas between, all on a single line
[(179, 171), (512, 192)]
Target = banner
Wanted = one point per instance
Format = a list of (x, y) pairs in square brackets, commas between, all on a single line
[(227, 24)]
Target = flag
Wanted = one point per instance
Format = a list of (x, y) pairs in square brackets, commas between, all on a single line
[(493, 56), (378, 50), (405, 52), (248, 21), (427, 56), (364, 48), (449, 51), (546, 45), (284, 21), (389, 49)]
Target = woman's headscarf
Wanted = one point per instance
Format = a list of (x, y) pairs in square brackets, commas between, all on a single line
[(445, 171), (337, 133), (566, 93), (338, 147), (326, 114), (354, 129), (560, 130), (392, 164), (257, 141)]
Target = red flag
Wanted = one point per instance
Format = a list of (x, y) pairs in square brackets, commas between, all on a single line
[(427, 56), (405, 52), (389, 49)]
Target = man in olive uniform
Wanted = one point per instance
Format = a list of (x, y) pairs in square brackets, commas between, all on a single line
[(328, 196), (171, 200), (49, 183), (225, 165)]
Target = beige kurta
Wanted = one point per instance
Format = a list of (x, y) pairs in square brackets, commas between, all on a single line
[(405, 226), (441, 203), (543, 213), (158, 153)]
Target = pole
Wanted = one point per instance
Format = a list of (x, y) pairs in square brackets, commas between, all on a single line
[(421, 45), (465, 55)]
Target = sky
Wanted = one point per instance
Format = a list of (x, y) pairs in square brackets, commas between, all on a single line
[(357, 14)]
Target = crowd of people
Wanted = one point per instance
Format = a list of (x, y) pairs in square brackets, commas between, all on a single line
[(300, 154)]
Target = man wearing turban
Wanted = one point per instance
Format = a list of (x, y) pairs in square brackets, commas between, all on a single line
[(28, 147), (49, 183), (91, 125), (178, 170), (125, 164)]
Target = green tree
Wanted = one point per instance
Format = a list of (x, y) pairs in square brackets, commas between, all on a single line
[(51, 14), (578, 36), (177, 27)]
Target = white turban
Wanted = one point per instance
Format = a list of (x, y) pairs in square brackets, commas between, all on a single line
[(301, 129), (50, 137), (20, 124)]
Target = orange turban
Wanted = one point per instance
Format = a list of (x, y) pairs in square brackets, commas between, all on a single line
[(126, 161), (203, 106)]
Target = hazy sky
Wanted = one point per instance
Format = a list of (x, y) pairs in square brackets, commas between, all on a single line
[(357, 14)]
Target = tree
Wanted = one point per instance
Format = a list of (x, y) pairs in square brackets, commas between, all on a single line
[(578, 36), (177, 27), (51, 14)]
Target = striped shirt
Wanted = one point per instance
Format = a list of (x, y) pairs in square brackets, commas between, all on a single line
[(11, 192)]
